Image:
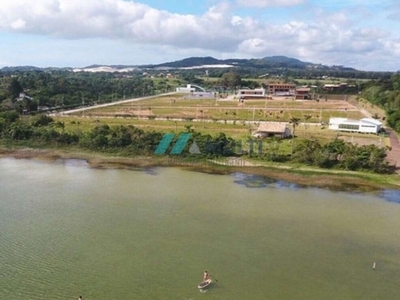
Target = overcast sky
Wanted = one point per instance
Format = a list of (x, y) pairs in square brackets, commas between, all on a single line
[(364, 34)]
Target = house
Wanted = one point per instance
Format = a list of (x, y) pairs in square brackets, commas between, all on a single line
[(272, 129), (23, 96), (332, 87), (365, 125), (190, 88), (282, 89), (187, 89), (251, 94), (303, 94), (200, 95)]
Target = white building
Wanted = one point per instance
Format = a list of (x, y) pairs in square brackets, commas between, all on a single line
[(365, 125), (187, 89), (248, 94), (200, 95), (23, 96)]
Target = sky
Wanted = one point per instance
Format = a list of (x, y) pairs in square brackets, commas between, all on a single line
[(362, 34)]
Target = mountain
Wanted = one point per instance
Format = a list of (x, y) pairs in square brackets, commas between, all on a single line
[(106, 69), (20, 68), (32, 68), (190, 62), (259, 63), (286, 60), (277, 63)]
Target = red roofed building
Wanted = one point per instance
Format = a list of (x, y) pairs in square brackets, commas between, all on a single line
[(303, 94)]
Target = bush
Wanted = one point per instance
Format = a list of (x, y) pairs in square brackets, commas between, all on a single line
[(10, 116), (42, 120)]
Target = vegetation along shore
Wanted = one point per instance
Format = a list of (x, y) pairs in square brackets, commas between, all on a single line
[(219, 130)]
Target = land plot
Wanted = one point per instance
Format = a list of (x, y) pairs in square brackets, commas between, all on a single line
[(214, 109)]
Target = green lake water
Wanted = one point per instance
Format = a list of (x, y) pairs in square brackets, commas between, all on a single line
[(68, 230)]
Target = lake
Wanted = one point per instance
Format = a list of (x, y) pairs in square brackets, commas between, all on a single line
[(69, 230)]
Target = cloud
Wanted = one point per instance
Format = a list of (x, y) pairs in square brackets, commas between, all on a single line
[(394, 11), (267, 3), (327, 39), (18, 24), (130, 21)]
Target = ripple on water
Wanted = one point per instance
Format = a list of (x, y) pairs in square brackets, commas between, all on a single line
[(390, 195), (73, 162), (258, 181)]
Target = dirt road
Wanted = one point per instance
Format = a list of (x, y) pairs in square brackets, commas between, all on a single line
[(393, 156), (394, 153)]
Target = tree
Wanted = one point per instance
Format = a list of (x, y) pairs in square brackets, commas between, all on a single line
[(14, 88), (10, 116), (189, 128), (306, 119), (42, 120), (308, 152), (273, 148), (295, 122), (231, 80)]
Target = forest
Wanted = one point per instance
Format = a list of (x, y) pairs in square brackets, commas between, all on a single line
[(65, 89)]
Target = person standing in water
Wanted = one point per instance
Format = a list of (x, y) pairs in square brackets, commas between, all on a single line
[(206, 276)]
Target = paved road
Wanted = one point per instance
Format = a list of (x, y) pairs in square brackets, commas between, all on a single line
[(67, 112)]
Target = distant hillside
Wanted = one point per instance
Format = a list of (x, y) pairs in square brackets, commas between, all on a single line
[(259, 63), (188, 62), (286, 60), (31, 68), (20, 68), (270, 63)]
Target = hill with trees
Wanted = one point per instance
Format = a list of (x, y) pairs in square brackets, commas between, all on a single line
[(386, 94), (273, 65)]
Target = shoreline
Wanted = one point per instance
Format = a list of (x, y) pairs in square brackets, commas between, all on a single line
[(302, 176)]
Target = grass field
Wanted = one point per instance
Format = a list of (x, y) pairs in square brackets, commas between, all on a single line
[(236, 119), (279, 110)]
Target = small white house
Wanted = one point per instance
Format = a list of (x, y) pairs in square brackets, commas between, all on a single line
[(23, 96), (365, 125), (187, 89)]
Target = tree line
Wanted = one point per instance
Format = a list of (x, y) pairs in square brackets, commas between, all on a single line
[(386, 94), (339, 154), (68, 89), (44, 131)]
